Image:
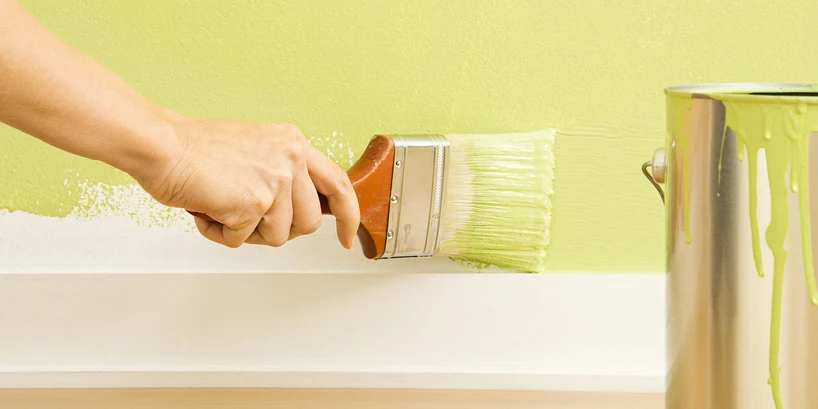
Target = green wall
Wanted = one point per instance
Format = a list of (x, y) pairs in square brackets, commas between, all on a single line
[(355, 68)]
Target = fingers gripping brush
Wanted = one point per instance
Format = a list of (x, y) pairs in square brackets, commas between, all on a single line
[(485, 199)]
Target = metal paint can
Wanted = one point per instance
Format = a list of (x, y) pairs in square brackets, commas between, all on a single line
[(718, 308)]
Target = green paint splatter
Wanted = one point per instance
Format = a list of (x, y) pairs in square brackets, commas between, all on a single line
[(100, 201), (471, 265)]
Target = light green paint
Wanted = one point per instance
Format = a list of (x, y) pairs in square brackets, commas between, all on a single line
[(499, 214), (475, 66)]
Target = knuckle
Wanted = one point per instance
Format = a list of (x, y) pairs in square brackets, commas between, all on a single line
[(259, 206), (312, 226), (342, 182), (295, 152), (281, 181), (232, 219), (266, 221), (257, 202), (248, 213)]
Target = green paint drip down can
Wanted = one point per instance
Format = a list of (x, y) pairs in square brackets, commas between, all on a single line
[(738, 176)]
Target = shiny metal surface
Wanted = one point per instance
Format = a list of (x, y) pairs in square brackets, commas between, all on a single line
[(742, 87), (718, 308), (417, 197)]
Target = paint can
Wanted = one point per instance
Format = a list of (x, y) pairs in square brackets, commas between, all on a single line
[(721, 313)]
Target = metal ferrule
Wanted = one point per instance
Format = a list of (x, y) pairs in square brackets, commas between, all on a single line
[(419, 172)]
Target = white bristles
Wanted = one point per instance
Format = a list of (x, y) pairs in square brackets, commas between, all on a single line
[(498, 199)]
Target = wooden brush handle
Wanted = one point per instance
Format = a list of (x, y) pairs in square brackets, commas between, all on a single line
[(371, 177)]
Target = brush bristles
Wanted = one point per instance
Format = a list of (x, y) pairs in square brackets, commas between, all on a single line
[(498, 199)]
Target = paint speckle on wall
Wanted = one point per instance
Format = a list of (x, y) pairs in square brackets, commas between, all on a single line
[(97, 201), (100, 201), (337, 147)]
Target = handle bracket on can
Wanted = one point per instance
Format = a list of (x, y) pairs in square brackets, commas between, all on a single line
[(656, 176)]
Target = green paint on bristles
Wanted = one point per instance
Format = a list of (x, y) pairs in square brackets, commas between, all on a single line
[(498, 200)]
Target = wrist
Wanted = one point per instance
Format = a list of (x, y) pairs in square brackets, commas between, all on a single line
[(151, 148)]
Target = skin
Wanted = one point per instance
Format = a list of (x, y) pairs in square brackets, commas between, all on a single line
[(258, 181)]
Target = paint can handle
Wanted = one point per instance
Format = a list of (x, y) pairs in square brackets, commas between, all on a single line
[(656, 175)]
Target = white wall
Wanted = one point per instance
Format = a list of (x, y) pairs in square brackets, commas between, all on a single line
[(103, 301)]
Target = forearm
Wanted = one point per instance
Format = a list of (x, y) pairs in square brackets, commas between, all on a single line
[(66, 99)]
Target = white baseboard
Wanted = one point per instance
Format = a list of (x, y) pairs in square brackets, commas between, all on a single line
[(551, 332), (105, 303)]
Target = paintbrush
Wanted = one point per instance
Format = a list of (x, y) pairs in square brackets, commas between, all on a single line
[(484, 199)]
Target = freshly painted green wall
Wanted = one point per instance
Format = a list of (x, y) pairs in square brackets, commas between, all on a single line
[(358, 67)]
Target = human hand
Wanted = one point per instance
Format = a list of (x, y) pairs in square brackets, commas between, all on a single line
[(258, 182)]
